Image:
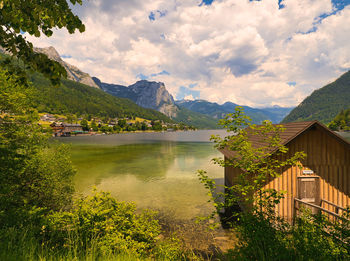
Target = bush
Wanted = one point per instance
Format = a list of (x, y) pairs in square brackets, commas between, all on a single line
[(312, 237), (114, 226)]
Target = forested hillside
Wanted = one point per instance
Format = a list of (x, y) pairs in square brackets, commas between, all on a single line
[(196, 119), (325, 103), (75, 98), (341, 122)]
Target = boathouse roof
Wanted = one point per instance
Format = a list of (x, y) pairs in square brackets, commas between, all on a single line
[(292, 130)]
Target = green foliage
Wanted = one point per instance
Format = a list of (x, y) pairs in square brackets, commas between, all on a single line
[(23, 244), (156, 125), (115, 226), (34, 17), (85, 125), (196, 119), (122, 123), (315, 235), (341, 122), (262, 237), (325, 103), (35, 175), (312, 237)]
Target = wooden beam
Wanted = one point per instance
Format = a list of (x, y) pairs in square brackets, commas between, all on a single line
[(318, 207)]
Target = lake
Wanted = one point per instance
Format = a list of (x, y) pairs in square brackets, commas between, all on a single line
[(155, 170)]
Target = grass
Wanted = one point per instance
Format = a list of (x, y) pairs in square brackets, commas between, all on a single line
[(17, 245), (180, 240)]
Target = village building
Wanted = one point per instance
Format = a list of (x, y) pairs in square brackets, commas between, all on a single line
[(66, 129), (48, 117), (323, 181)]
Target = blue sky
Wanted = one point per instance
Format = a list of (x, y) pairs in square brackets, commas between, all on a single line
[(257, 53)]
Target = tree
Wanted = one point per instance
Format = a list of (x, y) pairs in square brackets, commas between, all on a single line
[(144, 126), (84, 123), (94, 126), (156, 125), (256, 164), (122, 123), (34, 173), (35, 17)]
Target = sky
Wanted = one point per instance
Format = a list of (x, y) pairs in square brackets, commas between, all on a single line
[(255, 53)]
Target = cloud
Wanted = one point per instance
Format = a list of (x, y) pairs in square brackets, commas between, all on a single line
[(245, 52), (187, 93)]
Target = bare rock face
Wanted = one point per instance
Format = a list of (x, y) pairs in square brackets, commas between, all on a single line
[(146, 94), (154, 95), (73, 73)]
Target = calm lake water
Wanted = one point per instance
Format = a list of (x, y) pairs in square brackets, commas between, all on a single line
[(155, 170)]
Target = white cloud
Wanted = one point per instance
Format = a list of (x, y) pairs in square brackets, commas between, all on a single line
[(189, 97), (238, 51)]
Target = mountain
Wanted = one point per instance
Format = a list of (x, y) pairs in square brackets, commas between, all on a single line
[(75, 98), (154, 95), (325, 103), (217, 111), (147, 94), (276, 113), (73, 73)]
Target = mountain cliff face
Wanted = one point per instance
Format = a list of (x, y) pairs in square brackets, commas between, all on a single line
[(325, 103), (154, 95), (73, 73), (144, 93), (217, 111)]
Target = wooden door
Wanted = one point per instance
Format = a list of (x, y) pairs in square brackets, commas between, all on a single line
[(309, 190)]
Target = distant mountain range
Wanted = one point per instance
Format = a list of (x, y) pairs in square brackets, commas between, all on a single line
[(217, 111), (154, 95), (325, 103), (76, 98)]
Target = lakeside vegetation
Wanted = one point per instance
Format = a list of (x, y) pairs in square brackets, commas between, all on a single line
[(42, 219), (38, 214)]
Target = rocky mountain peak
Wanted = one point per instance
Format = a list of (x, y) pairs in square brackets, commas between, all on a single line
[(144, 93), (154, 95), (73, 73), (51, 52)]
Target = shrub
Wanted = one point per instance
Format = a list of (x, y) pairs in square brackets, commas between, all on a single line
[(114, 226)]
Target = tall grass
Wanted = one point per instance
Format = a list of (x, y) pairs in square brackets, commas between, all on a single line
[(17, 245)]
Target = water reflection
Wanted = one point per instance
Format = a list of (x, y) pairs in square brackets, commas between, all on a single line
[(160, 175)]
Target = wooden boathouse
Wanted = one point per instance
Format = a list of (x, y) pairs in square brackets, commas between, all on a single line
[(323, 182)]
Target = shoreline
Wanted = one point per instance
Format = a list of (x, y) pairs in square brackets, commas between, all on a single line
[(129, 132)]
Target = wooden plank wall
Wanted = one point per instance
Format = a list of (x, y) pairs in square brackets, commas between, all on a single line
[(327, 157)]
